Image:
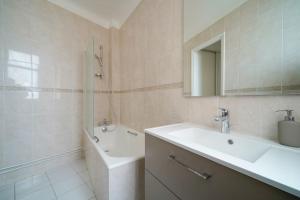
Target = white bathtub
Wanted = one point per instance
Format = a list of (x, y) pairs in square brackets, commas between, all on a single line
[(116, 163)]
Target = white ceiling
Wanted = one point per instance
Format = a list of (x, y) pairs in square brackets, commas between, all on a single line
[(200, 14), (106, 13)]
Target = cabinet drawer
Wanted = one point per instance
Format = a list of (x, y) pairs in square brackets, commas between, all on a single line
[(184, 173), (155, 190)]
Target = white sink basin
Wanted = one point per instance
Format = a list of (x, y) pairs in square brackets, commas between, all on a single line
[(264, 160), (243, 148)]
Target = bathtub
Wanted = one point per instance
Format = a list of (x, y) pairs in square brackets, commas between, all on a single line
[(116, 163)]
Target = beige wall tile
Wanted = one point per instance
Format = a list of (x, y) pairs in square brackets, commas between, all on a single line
[(49, 43), (203, 110), (250, 114)]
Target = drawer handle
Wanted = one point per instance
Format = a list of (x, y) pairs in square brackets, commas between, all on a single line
[(204, 176)]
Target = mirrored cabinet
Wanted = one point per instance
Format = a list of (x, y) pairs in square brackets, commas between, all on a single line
[(254, 50)]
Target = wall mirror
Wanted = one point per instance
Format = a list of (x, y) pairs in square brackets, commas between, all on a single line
[(207, 67), (241, 47)]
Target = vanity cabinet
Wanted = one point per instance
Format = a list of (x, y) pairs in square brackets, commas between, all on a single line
[(155, 189), (176, 173)]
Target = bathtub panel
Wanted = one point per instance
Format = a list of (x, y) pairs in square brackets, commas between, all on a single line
[(101, 185), (127, 181), (97, 170)]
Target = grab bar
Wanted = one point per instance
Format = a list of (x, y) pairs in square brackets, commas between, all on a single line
[(204, 176), (132, 133)]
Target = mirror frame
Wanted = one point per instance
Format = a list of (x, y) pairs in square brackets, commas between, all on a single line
[(193, 51)]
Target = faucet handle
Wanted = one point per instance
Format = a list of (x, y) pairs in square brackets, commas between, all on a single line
[(289, 114), (224, 112), (104, 121)]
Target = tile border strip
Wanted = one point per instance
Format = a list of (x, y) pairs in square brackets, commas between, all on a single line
[(62, 90), (103, 92), (16, 167), (272, 90), (40, 89), (153, 88), (278, 90), (58, 90)]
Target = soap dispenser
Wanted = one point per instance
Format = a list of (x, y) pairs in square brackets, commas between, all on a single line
[(289, 130)]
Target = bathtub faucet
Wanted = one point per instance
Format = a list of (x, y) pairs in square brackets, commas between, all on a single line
[(104, 125), (96, 138)]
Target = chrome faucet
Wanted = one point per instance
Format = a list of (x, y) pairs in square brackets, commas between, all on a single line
[(224, 119), (104, 125)]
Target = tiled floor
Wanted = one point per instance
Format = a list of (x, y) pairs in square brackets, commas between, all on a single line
[(67, 182)]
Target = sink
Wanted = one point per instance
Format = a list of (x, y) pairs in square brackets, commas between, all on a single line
[(237, 146), (264, 160)]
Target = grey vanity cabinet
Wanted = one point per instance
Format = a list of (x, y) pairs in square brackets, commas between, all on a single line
[(155, 190), (192, 177)]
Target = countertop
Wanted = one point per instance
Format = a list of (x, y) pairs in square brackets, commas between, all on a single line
[(278, 167)]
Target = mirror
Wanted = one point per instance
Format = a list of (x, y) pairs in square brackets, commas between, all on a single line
[(241, 47), (206, 68)]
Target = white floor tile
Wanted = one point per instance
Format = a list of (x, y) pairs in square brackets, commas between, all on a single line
[(79, 165), (31, 185), (43, 194), (82, 192), (60, 174), (67, 182), (7, 192), (62, 187), (86, 178)]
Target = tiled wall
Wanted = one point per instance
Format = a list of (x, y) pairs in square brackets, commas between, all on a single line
[(151, 78), (42, 58), (151, 51), (115, 74)]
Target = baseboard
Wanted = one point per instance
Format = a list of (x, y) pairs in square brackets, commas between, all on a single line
[(51, 158)]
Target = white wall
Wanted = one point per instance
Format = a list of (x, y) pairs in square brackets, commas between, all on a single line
[(200, 14)]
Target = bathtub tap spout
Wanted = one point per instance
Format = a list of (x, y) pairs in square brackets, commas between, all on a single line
[(104, 129), (104, 123)]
